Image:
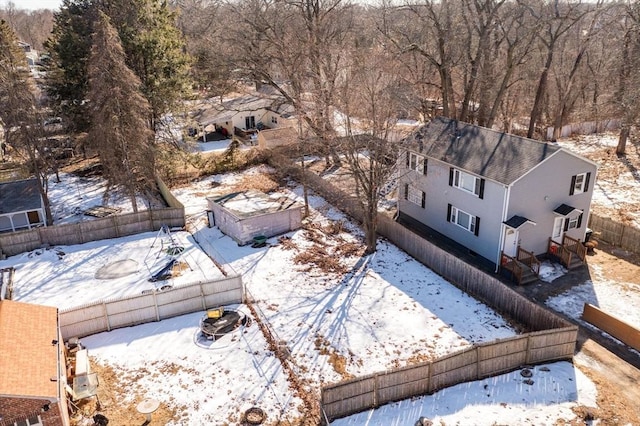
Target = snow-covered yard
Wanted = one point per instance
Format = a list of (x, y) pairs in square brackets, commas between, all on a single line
[(70, 276), (354, 316)]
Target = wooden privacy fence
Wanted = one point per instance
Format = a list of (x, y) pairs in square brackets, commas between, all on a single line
[(91, 230), (471, 280), (480, 361), (585, 128), (149, 307), (619, 329), (615, 233), (551, 337)]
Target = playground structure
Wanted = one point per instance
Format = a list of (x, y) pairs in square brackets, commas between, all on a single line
[(170, 250)]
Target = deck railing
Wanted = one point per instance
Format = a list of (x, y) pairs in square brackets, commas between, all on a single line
[(529, 259)]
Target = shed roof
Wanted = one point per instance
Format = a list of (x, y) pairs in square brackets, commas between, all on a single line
[(19, 195), (28, 359), (498, 156), (250, 203)]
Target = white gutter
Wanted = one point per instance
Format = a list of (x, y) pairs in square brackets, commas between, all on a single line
[(505, 203)]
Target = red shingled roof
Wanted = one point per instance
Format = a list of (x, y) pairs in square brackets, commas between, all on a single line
[(28, 359)]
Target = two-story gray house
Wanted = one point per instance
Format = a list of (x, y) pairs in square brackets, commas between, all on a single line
[(502, 196)]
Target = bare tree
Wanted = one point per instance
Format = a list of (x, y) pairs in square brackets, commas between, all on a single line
[(119, 112), (296, 47), (18, 113), (557, 18), (431, 29), (628, 93), (367, 96), (570, 75)]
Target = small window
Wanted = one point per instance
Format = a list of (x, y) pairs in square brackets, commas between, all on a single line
[(274, 119), (580, 183), (573, 223), (31, 421), (467, 182), (414, 195), (417, 163), (464, 220)]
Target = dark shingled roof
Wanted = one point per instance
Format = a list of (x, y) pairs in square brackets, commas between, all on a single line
[(516, 222), (564, 209), (20, 195), (498, 156)]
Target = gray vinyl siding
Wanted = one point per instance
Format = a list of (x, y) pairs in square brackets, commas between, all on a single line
[(439, 194), (542, 190)]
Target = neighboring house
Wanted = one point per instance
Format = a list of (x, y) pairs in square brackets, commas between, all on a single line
[(250, 112), (502, 196), (30, 53), (246, 215), (21, 205), (32, 366)]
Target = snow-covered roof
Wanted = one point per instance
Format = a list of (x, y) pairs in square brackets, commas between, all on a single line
[(253, 203)]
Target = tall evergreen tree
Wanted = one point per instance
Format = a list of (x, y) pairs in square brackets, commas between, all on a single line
[(153, 46), (18, 113), (119, 113), (155, 50), (69, 47)]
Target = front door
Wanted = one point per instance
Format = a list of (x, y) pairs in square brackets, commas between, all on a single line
[(510, 247)]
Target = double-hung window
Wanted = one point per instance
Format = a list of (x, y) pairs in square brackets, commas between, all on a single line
[(414, 195), (463, 219), (466, 182), (580, 183), (417, 163)]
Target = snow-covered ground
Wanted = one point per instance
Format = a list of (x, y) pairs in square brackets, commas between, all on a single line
[(616, 192), (70, 276), (387, 310)]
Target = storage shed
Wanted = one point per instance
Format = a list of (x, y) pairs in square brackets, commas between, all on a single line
[(248, 214), (21, 205)]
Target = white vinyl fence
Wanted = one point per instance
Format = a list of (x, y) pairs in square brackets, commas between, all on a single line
[(153, 306)]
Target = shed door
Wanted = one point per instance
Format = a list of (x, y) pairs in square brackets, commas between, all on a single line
[(33, 216), (510, 247)]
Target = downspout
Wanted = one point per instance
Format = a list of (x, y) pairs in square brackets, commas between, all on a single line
[(505, 203)]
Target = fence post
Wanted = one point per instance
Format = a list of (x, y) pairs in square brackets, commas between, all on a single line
[(375, 391), (202, 297), (155, 303), (115, 225), (527, 358), (106, 315)]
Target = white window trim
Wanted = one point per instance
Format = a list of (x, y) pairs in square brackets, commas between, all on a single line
[(471, 226), (459, 177), (414, 195), (578, 187), (573, 223), (416, 162), (28, 421)]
